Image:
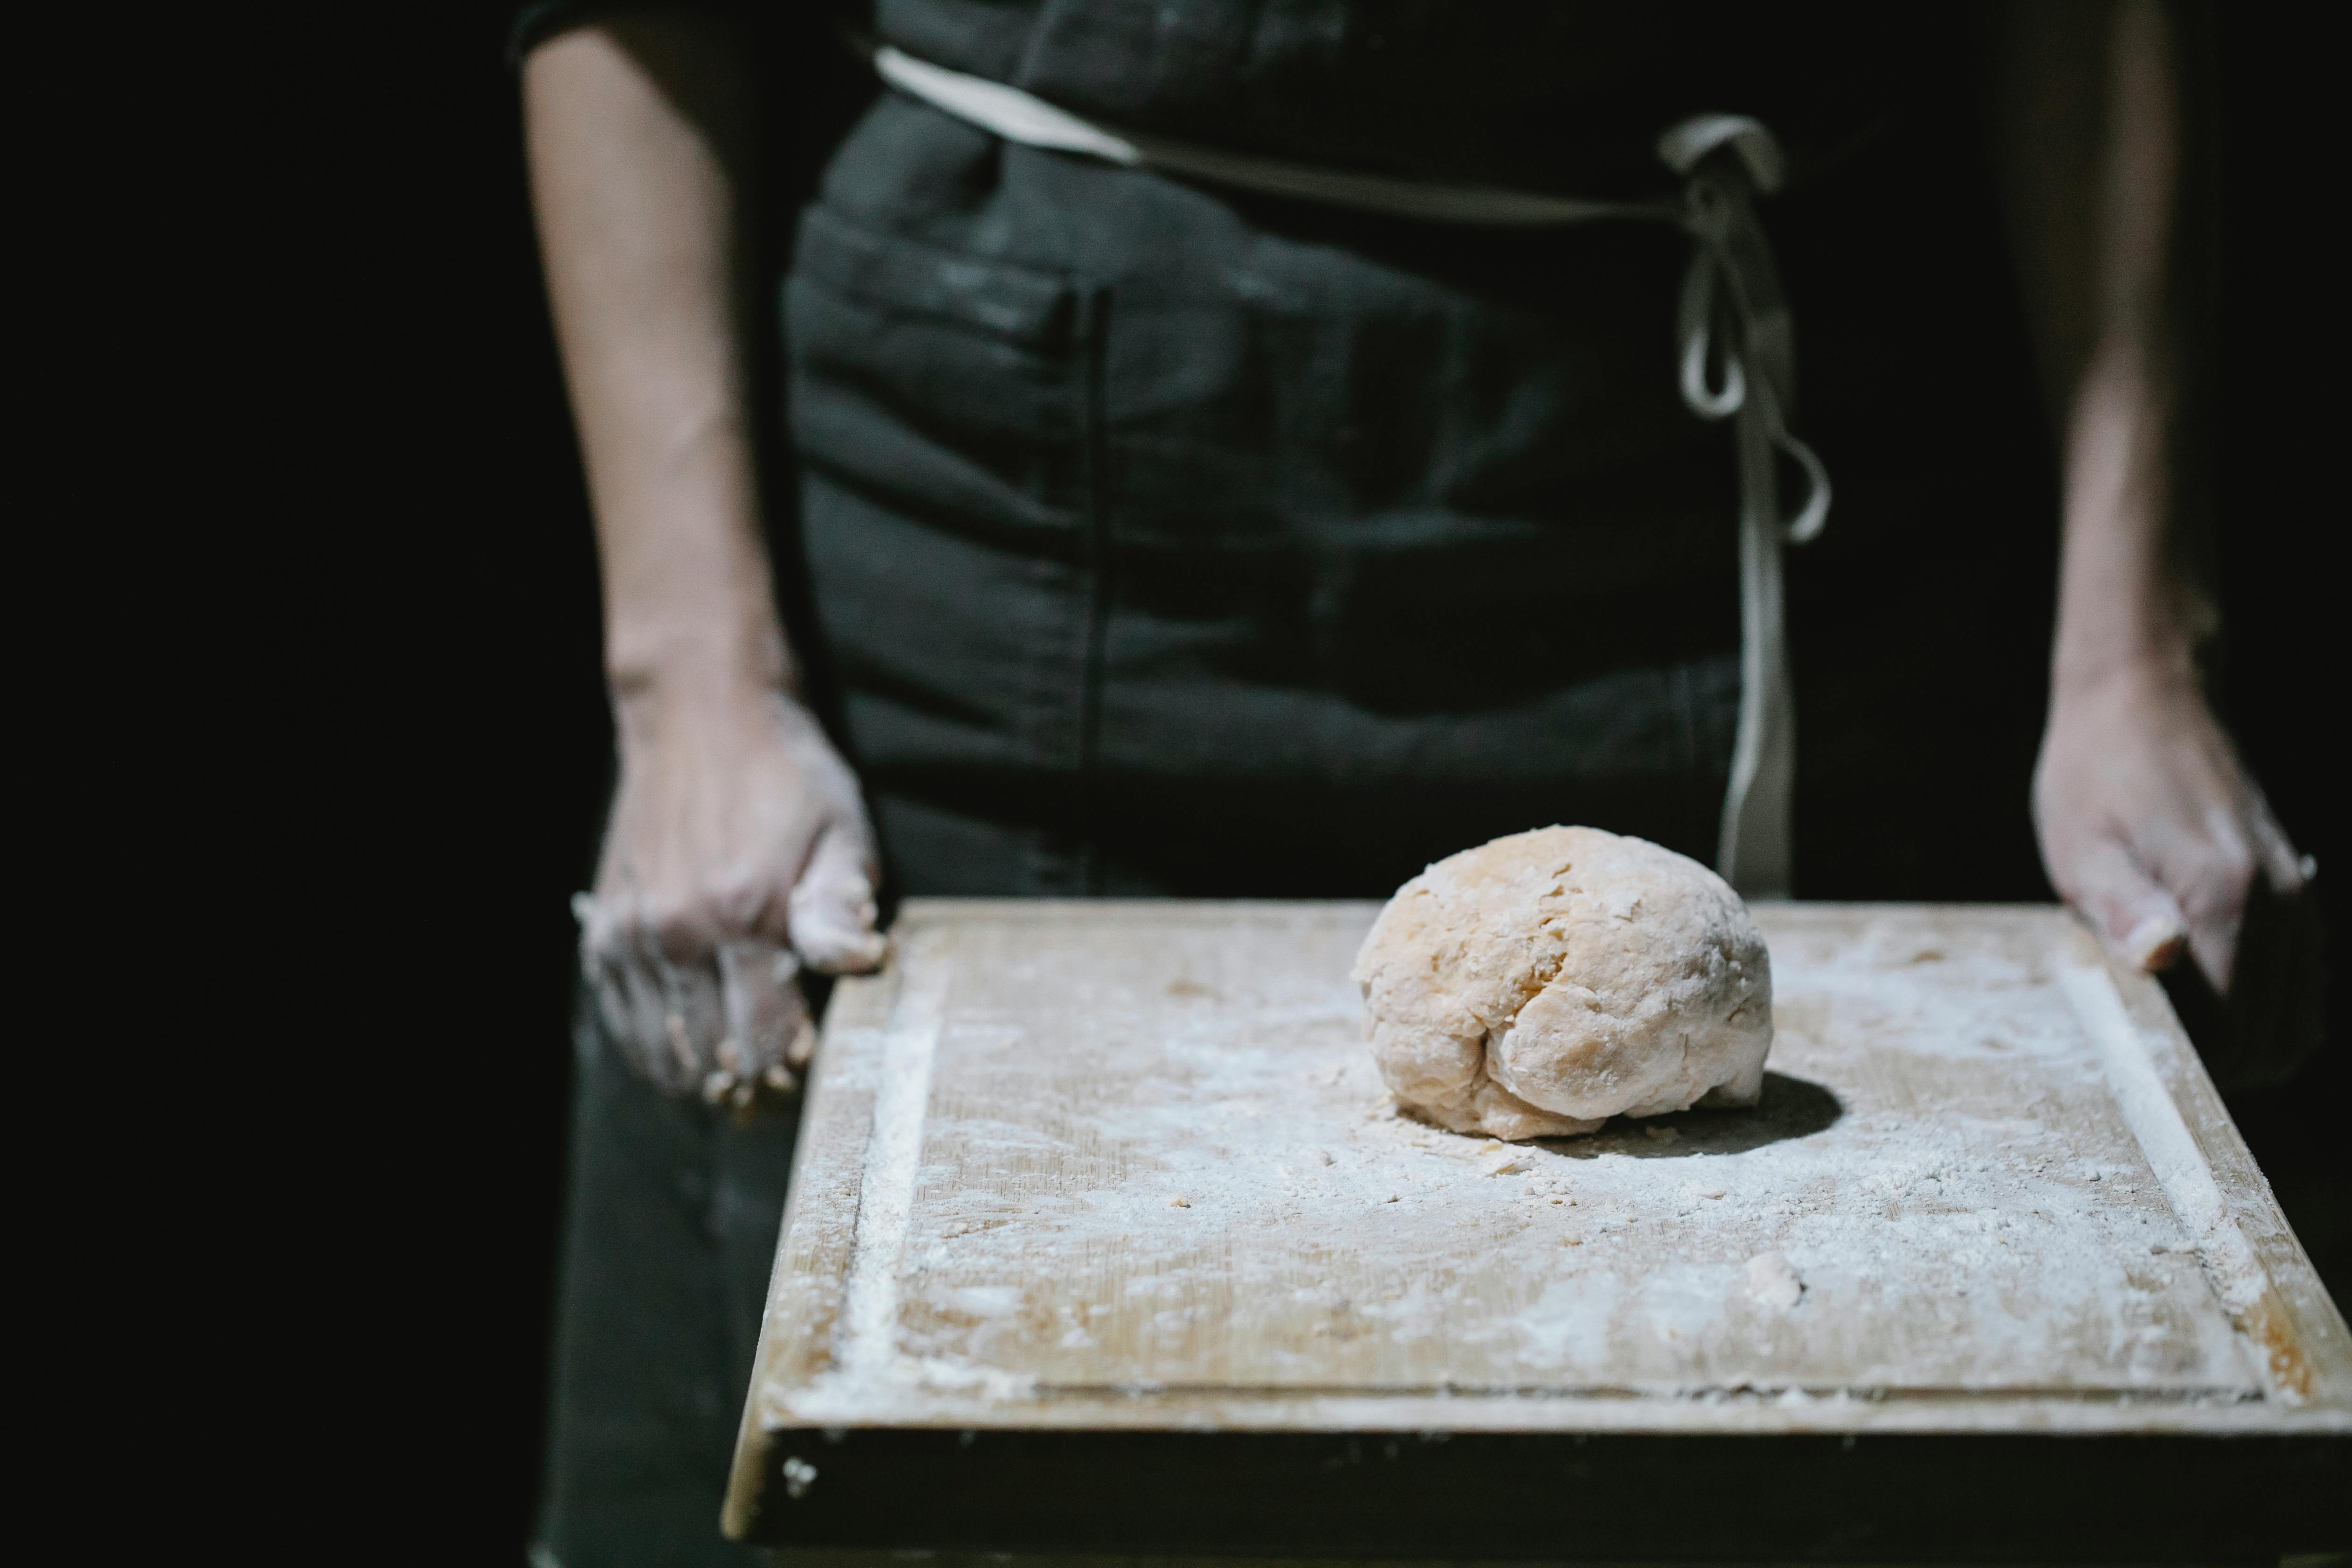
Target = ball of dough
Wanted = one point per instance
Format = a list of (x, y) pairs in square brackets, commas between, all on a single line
[(1542, 983)]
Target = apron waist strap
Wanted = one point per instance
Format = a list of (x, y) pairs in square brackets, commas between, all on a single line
[(1733, 320)]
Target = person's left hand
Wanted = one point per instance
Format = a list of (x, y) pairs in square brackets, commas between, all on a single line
[(2151, 826)]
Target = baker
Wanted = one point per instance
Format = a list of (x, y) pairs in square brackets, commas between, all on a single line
[(1257, 450)]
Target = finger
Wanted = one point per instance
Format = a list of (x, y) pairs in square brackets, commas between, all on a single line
[(632, 979), (2283, 867), (832, 907), (2209, 869), (638, 1019), (2142, 923), (2212, 883), (802, 1047), (766, 1012), (680, 946), (2213, 946), (664, 1036), (694, 1024), (663, 1012), (597, 969)]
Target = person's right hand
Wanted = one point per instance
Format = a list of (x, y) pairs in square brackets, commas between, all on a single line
[(737, 851), (2150, 825)]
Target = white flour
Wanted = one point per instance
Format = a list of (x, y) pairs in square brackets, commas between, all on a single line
[(1175, 1168)]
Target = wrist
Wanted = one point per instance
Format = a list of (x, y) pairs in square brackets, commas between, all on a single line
[(2119, 607), (2151, 661), (698, 668), (2137, 674)]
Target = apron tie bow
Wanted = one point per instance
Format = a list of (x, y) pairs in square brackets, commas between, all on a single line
[(1733, 312)]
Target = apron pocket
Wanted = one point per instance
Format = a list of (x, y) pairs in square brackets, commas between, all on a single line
[(942, 386)]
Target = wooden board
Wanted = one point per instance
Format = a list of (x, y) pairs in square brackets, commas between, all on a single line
[(1094, 1168)]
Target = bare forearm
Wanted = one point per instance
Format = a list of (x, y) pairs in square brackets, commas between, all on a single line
[(2091, 155), (635, 132)]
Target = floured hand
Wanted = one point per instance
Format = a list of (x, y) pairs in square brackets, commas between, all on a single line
[(2150, 823), (738, 852)]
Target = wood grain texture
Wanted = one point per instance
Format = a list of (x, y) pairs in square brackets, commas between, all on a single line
[(1114, 1166)]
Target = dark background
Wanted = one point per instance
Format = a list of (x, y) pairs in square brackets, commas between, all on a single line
[(437, 598)]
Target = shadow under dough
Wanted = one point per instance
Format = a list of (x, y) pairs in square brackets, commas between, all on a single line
[(1789, 1108)]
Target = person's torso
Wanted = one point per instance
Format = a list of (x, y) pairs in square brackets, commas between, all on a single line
[(1217, 512)]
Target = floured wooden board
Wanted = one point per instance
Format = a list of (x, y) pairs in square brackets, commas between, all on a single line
[(1126, 1167)]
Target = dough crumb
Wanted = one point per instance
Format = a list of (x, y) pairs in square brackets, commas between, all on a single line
[(1771, 1280), (1536, 986)]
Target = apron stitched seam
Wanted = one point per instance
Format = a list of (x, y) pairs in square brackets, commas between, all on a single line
[(1093, 499)]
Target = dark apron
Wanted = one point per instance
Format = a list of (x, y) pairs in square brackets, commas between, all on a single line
[(1167, 542)]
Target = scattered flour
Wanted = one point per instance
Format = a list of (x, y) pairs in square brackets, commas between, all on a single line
[(1918, 1174), (1771, 1280)]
